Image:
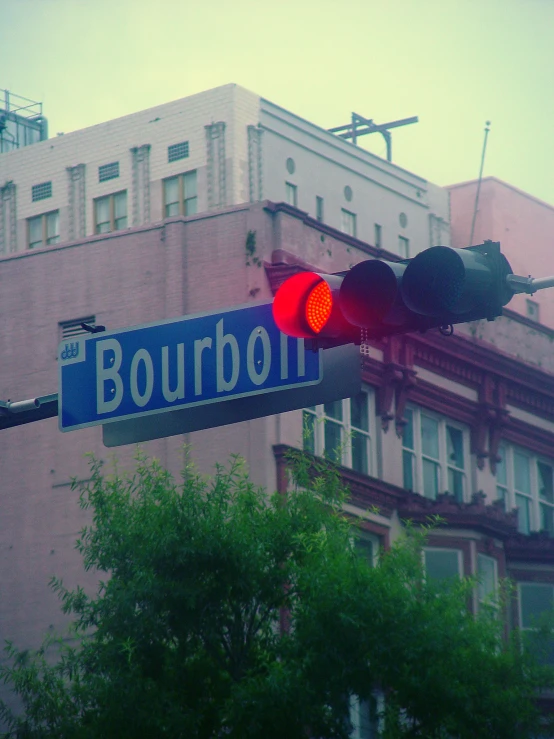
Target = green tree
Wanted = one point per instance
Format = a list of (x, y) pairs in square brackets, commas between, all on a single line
[(225, 612)]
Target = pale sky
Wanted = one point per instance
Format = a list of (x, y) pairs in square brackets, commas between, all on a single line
[(453, 63)]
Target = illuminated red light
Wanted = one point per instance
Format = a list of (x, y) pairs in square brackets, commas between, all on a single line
[(303, 305), (319, 306)]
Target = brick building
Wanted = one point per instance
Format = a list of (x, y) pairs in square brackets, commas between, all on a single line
[(460, 426), (522, 223)]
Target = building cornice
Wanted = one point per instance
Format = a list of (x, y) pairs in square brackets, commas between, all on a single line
[(491, 520), (384, 499), (536, 548), (365, 491)]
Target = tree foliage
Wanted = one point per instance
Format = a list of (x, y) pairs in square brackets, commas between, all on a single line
[(225, 612)]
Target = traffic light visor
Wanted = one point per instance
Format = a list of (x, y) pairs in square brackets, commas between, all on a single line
[(303, 305)]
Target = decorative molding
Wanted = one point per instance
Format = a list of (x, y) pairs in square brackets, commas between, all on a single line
[(216, 165), (77, 201), (491, 520), (140, 162), (435, 359), (537, 548), (365, 491), (255, 159), (498, 526), (8, 218), (467, 361)]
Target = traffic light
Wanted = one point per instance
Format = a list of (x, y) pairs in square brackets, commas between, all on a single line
[(439, 287)]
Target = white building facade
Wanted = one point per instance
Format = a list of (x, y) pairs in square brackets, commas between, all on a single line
[(214, 149)]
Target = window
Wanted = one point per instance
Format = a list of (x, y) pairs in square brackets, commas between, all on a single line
[(180, 195), (319, 208), (442, 564), (178, 151), (42, 191), (532, 310), (291, 194), (69, 329), (364, 716), (434, 455), (340, 431), (404, 247), (43, 230), (487, 571), (110, 213), (108, 172), (378, 236), (526, 482), (536, 601), (367, 546), (348, 222)]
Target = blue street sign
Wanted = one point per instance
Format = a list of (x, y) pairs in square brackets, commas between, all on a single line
[(178, 363)]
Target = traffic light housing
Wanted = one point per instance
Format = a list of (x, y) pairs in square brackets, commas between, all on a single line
[(439, 287)]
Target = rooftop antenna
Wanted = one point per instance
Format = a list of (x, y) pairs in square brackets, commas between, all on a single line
[(487, 129), (360, 126)]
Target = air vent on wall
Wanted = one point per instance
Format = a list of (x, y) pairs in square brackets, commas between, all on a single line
[(42, 191), (108, 171), (70, 329), (178, 151)]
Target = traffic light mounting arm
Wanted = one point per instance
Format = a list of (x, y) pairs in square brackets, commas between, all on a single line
[(528, 285)]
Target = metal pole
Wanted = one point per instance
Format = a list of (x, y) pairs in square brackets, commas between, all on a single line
[(487, 124), (529, 284)]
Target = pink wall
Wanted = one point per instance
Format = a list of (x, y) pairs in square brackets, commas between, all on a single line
[(129, 278), (138, 276), (523, 225)]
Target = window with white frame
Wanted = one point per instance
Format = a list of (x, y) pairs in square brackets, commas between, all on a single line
[(364, 716), (536, 602), (43, 230), (180, 195), (341, 431), (488, 579), (291, 194), (526, 482), (535, 599), (367, 546), (434, 455), (442, 565), (348, 222)]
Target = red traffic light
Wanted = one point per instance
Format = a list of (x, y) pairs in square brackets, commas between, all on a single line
[(306, 306), (438, 287)]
